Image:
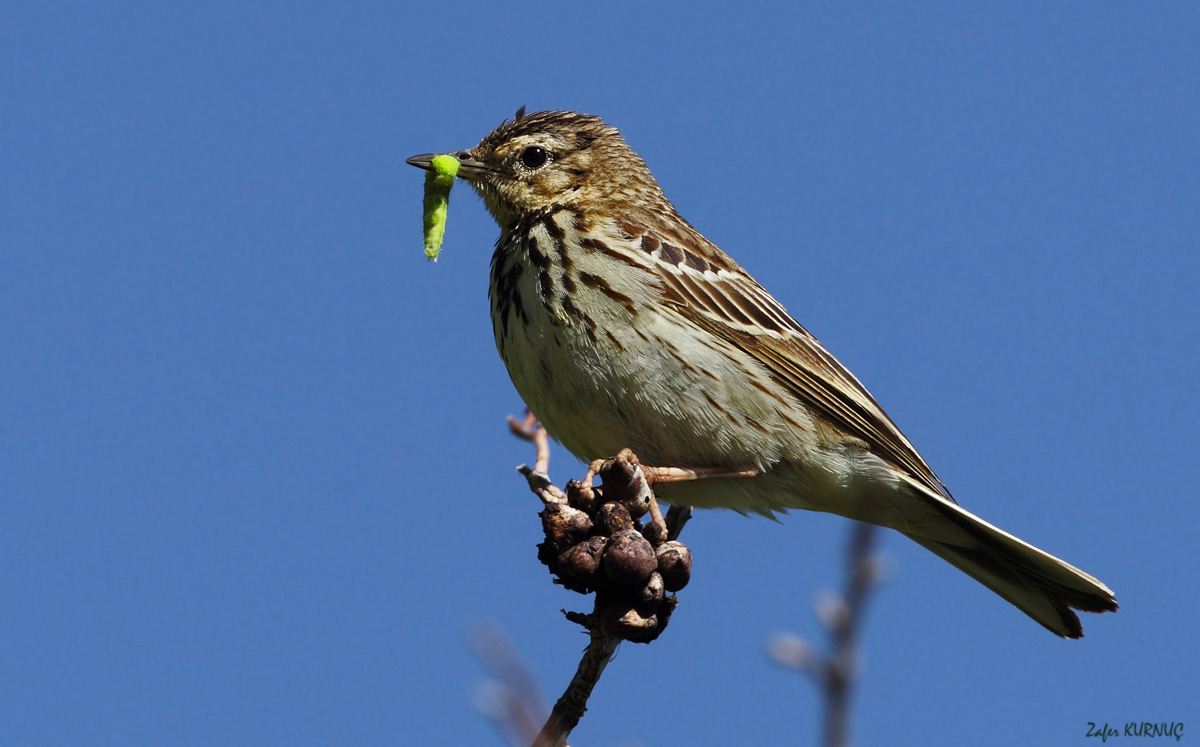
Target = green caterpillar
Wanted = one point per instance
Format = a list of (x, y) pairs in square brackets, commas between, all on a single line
[(437, 198)]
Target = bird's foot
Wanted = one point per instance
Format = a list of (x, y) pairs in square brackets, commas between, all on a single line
[(635, 480)]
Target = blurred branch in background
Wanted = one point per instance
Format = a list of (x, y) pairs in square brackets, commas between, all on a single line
[(512, 700), (842, 615)]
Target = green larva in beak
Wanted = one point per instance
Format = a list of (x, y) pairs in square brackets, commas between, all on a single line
[(437, 198)]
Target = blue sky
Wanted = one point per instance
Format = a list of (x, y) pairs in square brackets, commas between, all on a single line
[(255, 483)]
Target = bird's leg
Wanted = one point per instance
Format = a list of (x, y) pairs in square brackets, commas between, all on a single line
[(656, 520), (580, 493), (636, 483), (639, 480), (656, 475), (592, 470), (685, 474)]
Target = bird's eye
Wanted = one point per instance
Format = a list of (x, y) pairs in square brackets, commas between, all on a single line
[(534, 157)]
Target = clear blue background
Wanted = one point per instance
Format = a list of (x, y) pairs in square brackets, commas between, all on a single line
[(255, 483)]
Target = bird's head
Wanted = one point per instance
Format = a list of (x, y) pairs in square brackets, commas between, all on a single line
[(540, 161)]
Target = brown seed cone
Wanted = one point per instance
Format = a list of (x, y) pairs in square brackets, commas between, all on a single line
[(629, 558), (565, 526), (650, 531), (675, 565), (651, 595), (583, 560), (612, 518)]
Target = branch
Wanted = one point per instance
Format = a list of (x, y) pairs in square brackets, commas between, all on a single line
[(844, 625), (842, 615), (538, 477), (513, 702), (596, 542), (573, 703)]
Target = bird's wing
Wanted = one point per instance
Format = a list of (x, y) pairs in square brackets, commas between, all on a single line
[(712, 291)]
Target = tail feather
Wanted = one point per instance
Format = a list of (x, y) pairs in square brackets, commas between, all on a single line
[(1037, 583), (1043, 605)]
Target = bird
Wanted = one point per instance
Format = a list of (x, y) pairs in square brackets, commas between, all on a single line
[(621, 326)]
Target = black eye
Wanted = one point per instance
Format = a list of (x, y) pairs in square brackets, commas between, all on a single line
[(534, 157)]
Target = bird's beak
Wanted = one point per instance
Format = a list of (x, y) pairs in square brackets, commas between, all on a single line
[(470, 168)]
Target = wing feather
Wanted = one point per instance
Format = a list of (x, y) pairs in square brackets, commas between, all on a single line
[(723, 299)]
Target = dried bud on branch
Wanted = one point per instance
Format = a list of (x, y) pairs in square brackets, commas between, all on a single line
[(583, 560), (613, 517), (565, 526), (629, 559), (675, 565)]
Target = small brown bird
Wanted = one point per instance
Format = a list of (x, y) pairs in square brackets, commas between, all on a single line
[(622, 326)]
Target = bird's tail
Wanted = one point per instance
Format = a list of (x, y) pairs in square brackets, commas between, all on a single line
[(1037, 583)]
